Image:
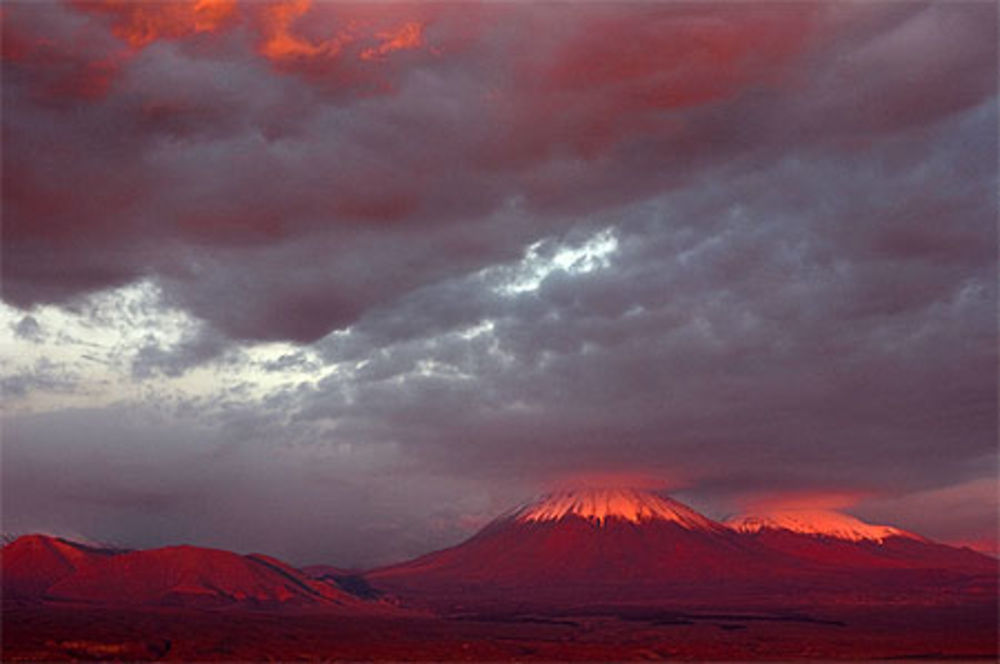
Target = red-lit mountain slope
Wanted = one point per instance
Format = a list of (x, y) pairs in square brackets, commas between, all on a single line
[(32, 563), (45, 569), (840, 540), (581, 547), (626, 547)]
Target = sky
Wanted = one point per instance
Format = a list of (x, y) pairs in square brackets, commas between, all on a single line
[(342, 282)]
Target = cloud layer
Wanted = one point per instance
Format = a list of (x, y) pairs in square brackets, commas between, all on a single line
[(744, 249)]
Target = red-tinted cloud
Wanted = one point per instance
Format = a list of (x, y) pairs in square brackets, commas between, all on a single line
[(341, 31), (389, 138), (802, 293), (139, 24), (338, 47), (61, 61), (612, 75), (406, 37), (342, 47)]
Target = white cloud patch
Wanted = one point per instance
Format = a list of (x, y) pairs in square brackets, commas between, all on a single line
[(132, 345), (544, 257)]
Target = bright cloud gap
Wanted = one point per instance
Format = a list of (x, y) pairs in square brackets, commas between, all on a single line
[(594, 253)]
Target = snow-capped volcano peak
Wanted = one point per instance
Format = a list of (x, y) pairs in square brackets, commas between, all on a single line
[(818, 522), (600, 505)]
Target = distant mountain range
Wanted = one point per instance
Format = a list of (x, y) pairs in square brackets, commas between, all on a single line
[(40, 568), (629, 546), (572, 548)]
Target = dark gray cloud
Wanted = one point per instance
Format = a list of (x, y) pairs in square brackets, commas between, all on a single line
[(196, 347), (743, 249), (274, 207), (791, 338)]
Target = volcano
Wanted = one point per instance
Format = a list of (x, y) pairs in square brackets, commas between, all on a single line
[(625, 546), (864, 562), (40, 568), (840, 540), (593, 575), (585, 546)]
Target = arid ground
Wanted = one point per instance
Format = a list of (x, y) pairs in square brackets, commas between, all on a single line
[(57, 633)]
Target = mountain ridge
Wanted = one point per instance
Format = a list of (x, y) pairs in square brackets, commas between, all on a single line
[(579, 547), (622, 545), (40, 568)]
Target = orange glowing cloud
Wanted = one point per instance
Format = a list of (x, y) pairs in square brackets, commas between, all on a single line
[(363, 35), (279, 40), (141, 23), (406, 37), (83, 65), (339, 46)]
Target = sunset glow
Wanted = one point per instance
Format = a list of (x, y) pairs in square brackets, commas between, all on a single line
[(280, 40), (406, 37), (818, 522), (600, 505), (472, 325), (631, 244), (140, 24)]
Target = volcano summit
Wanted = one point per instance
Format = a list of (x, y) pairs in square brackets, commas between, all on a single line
[(605, 505), (599, 546)]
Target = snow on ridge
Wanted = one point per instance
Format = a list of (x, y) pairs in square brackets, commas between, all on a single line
[(818, 522), (600, 505)]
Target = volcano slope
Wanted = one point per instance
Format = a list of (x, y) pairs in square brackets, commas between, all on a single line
[(577, 550), (581, 548)]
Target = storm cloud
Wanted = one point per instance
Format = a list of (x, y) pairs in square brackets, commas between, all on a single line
[(743, 249)]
